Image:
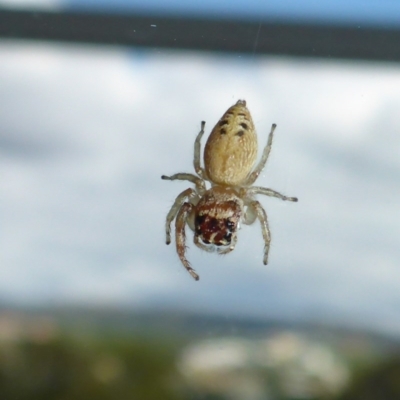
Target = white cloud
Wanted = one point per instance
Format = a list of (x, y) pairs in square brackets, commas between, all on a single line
[(32, 4), (86, 133)]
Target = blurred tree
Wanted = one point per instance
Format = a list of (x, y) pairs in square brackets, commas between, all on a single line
[(102, 370), (380, 382)]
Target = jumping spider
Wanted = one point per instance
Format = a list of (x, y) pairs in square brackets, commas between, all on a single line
[(215, 214)]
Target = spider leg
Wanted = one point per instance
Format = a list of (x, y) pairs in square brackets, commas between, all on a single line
[(210, 249), (250, 215), (200, 185), (174, 211), (254, 175), (201, 245), (262, 216), (269, 192), (180, 225), (197, 150), (231, 247)]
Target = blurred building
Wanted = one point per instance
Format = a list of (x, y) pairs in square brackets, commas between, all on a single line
[(285, 365)]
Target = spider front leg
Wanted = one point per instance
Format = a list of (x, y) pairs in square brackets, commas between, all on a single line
[(180, 236), (255, 210), (197, 150), (200, 245), (231, 247), (188, 193), (254, 175)]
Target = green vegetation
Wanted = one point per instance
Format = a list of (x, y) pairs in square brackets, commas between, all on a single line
[(65, 369), (381, 381)]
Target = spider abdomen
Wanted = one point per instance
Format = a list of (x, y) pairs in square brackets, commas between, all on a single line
[(231, 149)]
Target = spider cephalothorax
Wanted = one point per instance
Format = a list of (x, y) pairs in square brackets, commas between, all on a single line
[(215, 214)]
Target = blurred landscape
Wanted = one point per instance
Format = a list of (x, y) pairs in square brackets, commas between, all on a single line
[(76, 353)]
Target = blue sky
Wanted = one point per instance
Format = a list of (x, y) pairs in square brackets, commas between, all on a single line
[(354, 13), (86, 132)]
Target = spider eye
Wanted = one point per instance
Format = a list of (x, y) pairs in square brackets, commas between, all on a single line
[(199, 220), (230, 225), (228, 237)]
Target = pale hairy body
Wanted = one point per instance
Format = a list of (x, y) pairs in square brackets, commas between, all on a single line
[(215, 214)]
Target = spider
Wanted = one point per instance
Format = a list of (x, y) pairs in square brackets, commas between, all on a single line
[(215, 214)]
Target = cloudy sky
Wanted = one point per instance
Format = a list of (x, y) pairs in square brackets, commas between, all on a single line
[(86, 132)]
